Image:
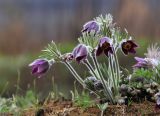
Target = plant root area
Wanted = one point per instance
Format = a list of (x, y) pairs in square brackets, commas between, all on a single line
[(66, 108)]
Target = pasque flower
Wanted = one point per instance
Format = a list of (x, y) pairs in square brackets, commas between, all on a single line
[(80, 52), (146, 63), (128, 46), (39, 67), (91, 26), (105, 45), (141, 63)]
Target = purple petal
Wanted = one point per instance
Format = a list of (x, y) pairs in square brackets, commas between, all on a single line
[(38, 61), (132, 51), (105, 40), (91, 25), (78, 59), (99, 51), (139, 59), (85, 29), (80, 52), (42, 71), (134, 45), (76, 50), (108, 51), (138, 65), (141, 63), (125, 51), (43, 68), (128, 47), (39, 66), (34, 70)]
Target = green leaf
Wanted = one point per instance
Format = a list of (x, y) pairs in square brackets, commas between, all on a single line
[(51, 52), (102, 107)]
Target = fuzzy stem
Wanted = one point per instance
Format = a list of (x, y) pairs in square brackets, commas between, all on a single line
[(86, 62), (102, 112), (78, 77), (108, 92), (113, 75), (74, 73), (118, 69)]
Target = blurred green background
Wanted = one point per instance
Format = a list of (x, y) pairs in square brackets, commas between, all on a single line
[(26, 26)]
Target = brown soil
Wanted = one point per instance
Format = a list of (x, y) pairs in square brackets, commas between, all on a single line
[(66, 108)]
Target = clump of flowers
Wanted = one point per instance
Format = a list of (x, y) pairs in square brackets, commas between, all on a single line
[(101, 37), (40, 66), (146, 76), (128, 46)]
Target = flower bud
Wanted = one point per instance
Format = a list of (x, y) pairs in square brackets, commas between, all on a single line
[(39, 67), (80, 53), (91, 26)]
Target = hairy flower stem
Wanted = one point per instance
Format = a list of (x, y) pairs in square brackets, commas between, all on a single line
[(78, 77), (74, 73), (113, 75), (86, 62), (102, 112), (118, 69), (107, 91), (115, 70)]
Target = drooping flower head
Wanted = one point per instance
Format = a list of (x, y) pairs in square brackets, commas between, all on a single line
[(80, 53), (128, 46), (145, 63), (39, 67), (141, 63), (151, 60), (104, 46), (91, 26)]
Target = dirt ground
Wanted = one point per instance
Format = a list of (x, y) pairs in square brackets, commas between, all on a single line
[(66, 108)]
